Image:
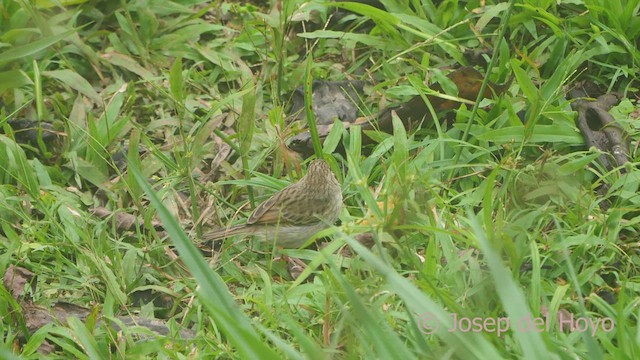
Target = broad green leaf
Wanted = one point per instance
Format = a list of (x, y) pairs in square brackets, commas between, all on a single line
[(128, 63), (365, 39), (76, 82), (90, 172), (27, 50), (540, 134), (86, 339), (491, 12), (15, 168), (13, 79), (387, 22)]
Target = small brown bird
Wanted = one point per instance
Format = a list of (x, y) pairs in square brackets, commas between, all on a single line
[(294, 214)]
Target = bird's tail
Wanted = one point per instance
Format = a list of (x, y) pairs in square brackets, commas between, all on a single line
[(220, 234)]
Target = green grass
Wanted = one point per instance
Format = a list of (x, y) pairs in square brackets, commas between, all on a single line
[(480, 217)]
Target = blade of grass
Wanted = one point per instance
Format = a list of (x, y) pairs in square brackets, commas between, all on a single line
[(85, 339), (588, 339), (511, 296), (23, 51), (466, 344), (246, 128), (483, 86), (384, 341), (308, 107), (212, 290)]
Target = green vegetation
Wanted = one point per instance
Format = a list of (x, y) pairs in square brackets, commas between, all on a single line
[(175, 112)]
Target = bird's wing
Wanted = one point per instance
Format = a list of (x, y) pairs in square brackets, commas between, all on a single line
[(268, 212), (283, 208)]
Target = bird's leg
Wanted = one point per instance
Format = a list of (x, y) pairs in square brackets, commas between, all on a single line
[(295, 266)]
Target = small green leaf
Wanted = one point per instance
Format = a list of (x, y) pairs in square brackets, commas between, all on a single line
[(491, 12), (128, 63), (571, 167), (529, 90), (333, 139), (176, 82)]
